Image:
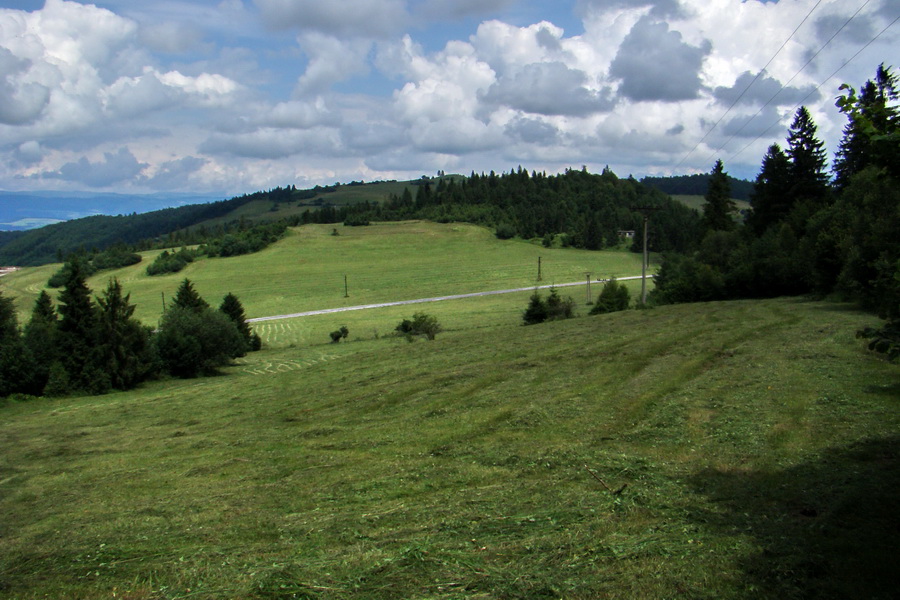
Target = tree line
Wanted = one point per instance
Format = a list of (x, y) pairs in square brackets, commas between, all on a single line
[(575, 208), (696, 184), (809, 231), (93, 344)]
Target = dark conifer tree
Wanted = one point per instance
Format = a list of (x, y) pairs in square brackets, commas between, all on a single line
[(771, 192), (808, 174), (718, 208), (124, 344), (870, 135), (15, 363), (40, 338), (77, 332), (234, 310), (187, 297)]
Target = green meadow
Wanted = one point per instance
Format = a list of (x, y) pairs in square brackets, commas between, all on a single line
[(383, 262), (740, 449)]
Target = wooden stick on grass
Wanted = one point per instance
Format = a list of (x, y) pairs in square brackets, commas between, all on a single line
[(603, 483)]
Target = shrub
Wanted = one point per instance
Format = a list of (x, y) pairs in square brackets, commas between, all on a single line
[(686, 279), (172, 262), (340, 334), (421, 324), (612, 298), (552, 309), (197, 342), (505, 231)]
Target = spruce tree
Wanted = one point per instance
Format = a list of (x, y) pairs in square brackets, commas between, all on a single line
[(233, 309), (808, 174), (15, 367), (40, 339), (771, 191), (124, 344), (718, 207), (187, 297), (77, 331), (871, 135)]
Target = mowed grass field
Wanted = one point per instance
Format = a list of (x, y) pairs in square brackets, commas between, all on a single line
[(722, 450), (383, 262)]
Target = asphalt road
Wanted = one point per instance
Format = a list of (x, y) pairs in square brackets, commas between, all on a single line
[(326, 311)]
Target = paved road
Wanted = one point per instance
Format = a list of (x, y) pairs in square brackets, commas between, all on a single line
[(326, 311)]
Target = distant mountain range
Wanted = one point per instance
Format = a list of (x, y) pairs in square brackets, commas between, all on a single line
[(20, 211)]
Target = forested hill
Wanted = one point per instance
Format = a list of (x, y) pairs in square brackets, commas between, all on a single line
[(575, 208), (696, 185), (48, 244)]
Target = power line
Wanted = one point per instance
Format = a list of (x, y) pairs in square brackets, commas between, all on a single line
[(789, 81), (826, 80), (746, 89)]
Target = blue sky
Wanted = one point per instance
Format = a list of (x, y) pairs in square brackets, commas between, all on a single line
[(232, 96)]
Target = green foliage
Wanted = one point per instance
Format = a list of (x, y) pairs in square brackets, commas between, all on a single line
[(552, 309), (421, 324), (77, 332), (804, 237), (234, 310), (58, 279), (246, 241), (58, 383), (341, 334), (613, 297), (505, 231), (697, 185), (588, 208), (536, 311), (125, 353), (15, 360), (808, 174), (872, 135), (40, 246), (718, 208), (188, 298), (192, 342), (39, 336), (686, 279), (771, 193), (172, 262)]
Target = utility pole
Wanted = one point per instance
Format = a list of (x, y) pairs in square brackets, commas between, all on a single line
[(588, 275), (346, 289), (163, 294), (539, 268), (646, 211)]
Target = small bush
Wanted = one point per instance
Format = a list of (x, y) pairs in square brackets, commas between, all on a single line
[(505, 231), (613, 297), (171, 262), (340, 334), (554, 308), (885, 340), (421, 324)]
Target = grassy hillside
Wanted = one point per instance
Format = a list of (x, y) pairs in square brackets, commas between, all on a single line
[(743, 449), (383, 262)]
